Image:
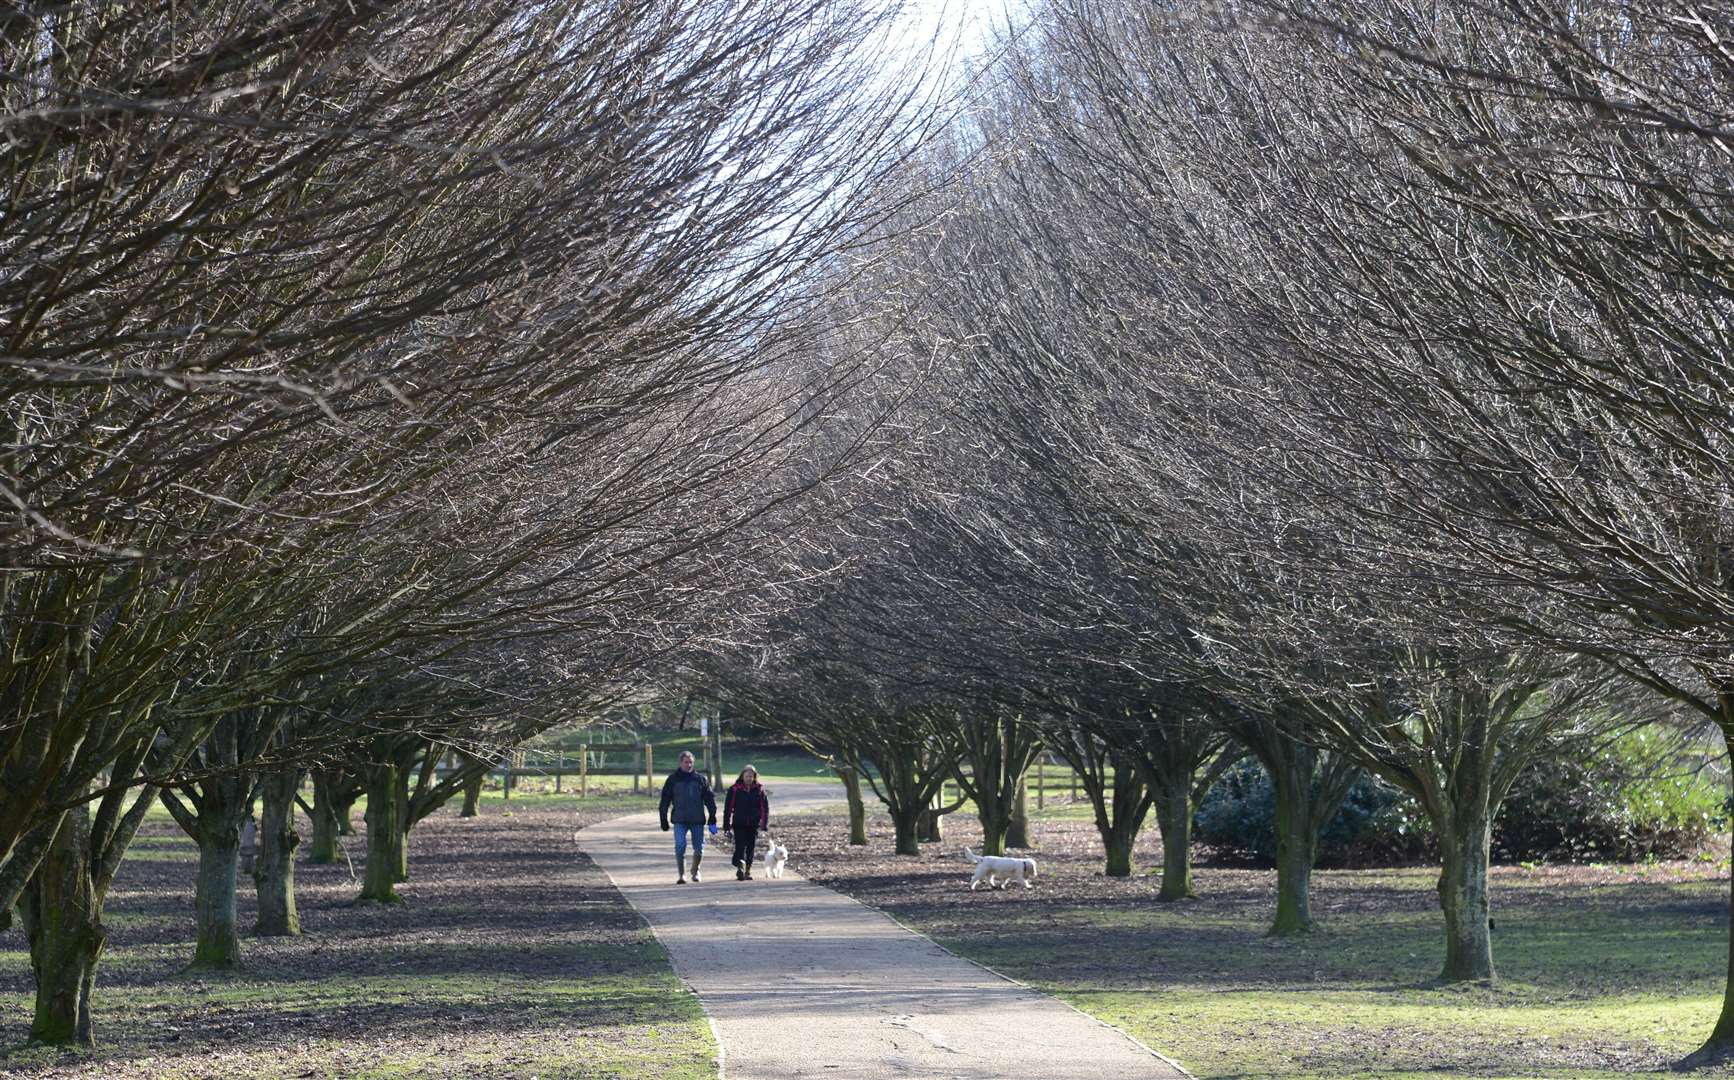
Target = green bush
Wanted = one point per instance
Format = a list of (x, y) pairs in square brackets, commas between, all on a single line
[(1639, 796), (1636, 797), (1375, 827)]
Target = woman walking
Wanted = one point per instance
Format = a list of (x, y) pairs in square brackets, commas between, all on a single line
[(746, 810)]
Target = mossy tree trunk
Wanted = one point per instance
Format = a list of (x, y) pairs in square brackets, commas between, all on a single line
[(1719, 1046), (1017, 830), (62, 913), (274, 867), (905, 826), (1174, 818), (213, 810), (218, 941), (61, 905), (1309, 786), (473, 795), (1296, 845), (322, 849), (857, 806), (385, 856), (1463, 898)]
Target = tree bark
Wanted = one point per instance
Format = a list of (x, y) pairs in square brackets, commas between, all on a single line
[(62, 912), (1174, 818), (1463, 898), (1118, 843), (274, 866), (323, 849), (994, 826), (857, 806), (1017, 834), (903, 828), (384, 836), (218, 944), (931, 828), (1720, 1044), (473, 795), (343, 809), (1296, 845)]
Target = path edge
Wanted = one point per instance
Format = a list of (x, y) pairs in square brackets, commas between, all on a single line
[(722, 1052), (1122, 1032)]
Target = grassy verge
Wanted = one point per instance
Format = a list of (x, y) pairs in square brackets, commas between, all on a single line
[(1604, 971), (512, 957)]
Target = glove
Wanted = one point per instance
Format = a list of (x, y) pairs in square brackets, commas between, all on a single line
[(665, 826), (713, 828)]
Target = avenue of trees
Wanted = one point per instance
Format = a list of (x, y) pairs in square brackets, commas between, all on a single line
[(1340, 386), (382, 384)]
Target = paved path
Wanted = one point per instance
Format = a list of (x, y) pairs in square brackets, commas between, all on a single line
[(801, 981)]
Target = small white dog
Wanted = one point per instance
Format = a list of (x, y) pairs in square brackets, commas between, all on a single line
[(991, 866), (776, 857)]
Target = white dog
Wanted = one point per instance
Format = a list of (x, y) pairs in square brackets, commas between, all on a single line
[(990, 866), (776, 857)]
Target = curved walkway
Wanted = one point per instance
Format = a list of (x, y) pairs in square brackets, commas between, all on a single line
[(801, 981)]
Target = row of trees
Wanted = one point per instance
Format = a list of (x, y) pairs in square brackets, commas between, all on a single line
[(1345, 383), (384, 382)]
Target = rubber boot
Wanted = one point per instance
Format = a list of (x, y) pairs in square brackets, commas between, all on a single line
[(696, 859), (679, 869), (747, 871)]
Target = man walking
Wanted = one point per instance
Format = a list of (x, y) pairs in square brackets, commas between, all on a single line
[(693, 805)]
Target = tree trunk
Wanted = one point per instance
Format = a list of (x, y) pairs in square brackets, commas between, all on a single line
[(384, 836), (274, 867), (1174, 818), (1720, 1045), (931, 829), (994, 825), (63, 921), (219, 939), (857, 807), (1118, 841), (1296, 846), (1017, 834), (323, 850), (473, 795), (1463, 898), (903, 826), (343, 809)]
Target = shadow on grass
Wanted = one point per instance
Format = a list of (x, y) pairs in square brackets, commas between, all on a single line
[(510, 938)]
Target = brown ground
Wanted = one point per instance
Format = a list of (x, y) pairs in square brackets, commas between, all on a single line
[(512, 955)]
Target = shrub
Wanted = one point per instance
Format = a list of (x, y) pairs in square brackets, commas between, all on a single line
[(1643, 795), (1376, 825)]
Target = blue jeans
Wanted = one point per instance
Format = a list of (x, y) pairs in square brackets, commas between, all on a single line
[(680, 832)]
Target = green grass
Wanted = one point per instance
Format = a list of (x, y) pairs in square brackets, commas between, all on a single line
[(1596, 980)]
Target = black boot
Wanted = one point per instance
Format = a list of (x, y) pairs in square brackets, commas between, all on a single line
[(747, 872), (696, 859), (680, 869)]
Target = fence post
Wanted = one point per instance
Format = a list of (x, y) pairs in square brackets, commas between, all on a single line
[(1041, 780), (649, 772), (583, 769), (559, 768), (1074, 785), (506, 778)]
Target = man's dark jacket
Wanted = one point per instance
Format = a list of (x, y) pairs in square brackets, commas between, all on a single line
[(690, 797)]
